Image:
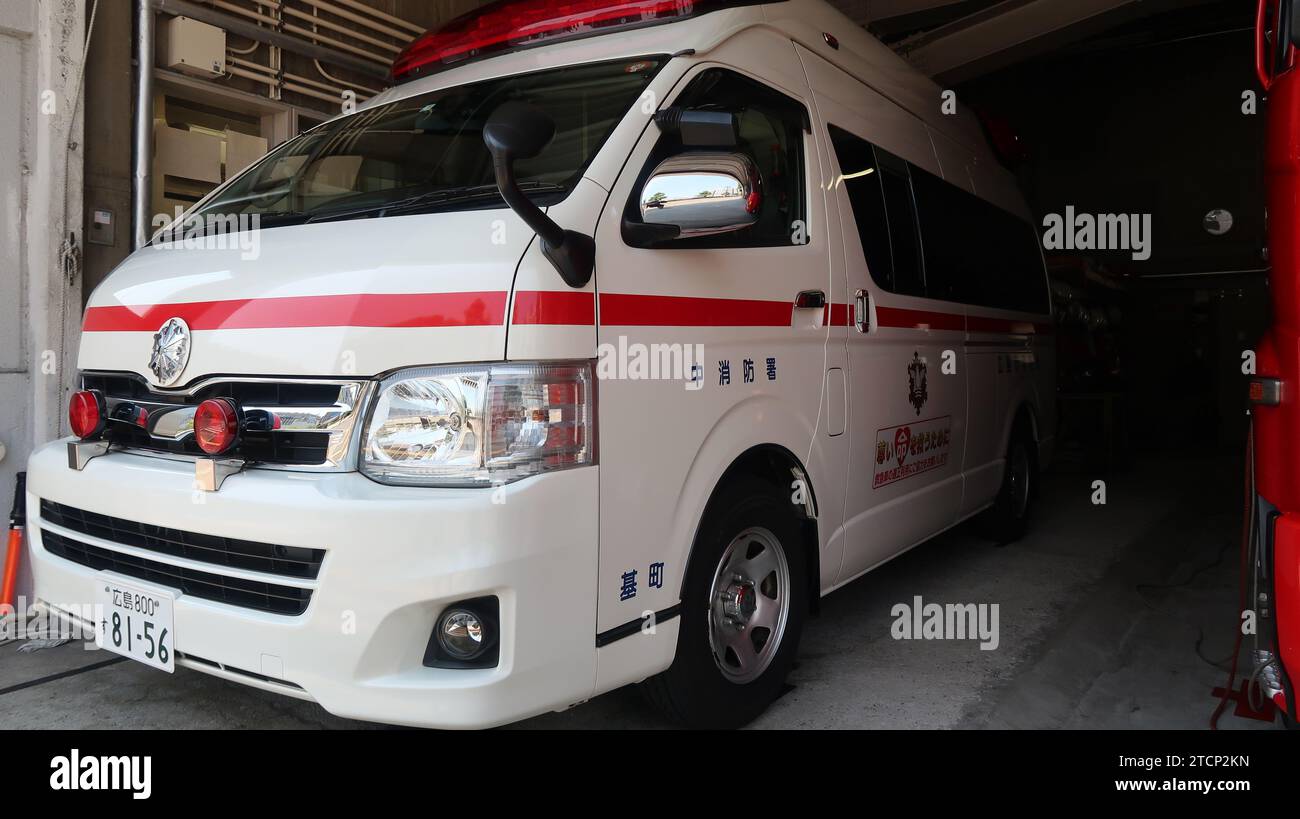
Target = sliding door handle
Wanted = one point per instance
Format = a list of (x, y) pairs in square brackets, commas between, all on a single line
[(862, 311)]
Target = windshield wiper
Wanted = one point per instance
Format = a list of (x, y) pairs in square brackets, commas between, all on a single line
[(293, 217), (435, 198)]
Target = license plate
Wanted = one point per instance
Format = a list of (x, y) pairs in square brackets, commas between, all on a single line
[(136, 621)]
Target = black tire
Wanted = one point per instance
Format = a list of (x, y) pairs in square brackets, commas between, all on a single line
[(1009, 518), (696, 691)]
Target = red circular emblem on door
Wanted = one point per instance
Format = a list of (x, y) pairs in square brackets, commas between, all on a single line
[(902, 439)]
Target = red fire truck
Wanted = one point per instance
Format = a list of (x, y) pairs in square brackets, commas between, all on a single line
[(1273, 578)]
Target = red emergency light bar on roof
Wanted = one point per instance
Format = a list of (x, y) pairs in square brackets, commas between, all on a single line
[(513, 24)]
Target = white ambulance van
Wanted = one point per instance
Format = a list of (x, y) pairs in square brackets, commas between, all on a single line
[(594, 352)]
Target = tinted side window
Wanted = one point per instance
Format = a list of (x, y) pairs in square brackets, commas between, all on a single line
[(861, 179), (909, 273), (879, 188), (950, 228), (1023, 260), (976, 252), (771, 131)]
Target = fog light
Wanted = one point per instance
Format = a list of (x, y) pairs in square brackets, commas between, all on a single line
[(462, 634), (466, 635)]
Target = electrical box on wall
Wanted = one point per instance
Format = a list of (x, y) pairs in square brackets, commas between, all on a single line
[(192, 47), (101, 230)]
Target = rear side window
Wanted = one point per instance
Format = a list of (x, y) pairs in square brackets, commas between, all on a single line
[(909, 271), (950, 224), (860, 176), (880, 191), (976, 252), (923, 236)]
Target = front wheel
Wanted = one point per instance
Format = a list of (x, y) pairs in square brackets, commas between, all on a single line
[(743, 607)]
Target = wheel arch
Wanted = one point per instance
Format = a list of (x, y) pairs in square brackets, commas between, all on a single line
[(1025, 412), (781, 468)]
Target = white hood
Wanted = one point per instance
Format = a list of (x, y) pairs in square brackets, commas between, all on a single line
[(343, 298)]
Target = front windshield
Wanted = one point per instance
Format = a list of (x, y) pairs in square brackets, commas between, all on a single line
[(426, 153)]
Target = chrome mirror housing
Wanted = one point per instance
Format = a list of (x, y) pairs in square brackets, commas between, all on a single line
[(703, 193)]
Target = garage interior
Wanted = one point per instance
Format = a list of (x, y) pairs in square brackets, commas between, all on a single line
[(1114, 615)]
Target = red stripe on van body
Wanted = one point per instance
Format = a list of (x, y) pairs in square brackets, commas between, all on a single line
[(352, 310), (899, 318), (983, 324), (488, 308), (554, 307), (838, 315), (631, 310)]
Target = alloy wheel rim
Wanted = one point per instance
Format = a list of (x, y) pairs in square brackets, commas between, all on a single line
[(749, 604)]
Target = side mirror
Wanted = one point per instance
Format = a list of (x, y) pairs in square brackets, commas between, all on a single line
[(517, 130), (701, 194)]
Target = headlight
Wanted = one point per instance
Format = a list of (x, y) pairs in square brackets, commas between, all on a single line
[(479, 425)]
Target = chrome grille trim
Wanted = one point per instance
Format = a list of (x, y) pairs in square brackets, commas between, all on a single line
[(172, 422)]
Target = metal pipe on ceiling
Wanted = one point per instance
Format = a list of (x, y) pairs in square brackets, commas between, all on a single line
[(396, 21), (292, 29), (330, 8), (274, 82), (236, 25), (400, 34), (248, 65), (308, 33), (317, 20), (330, 41), (249, 13)]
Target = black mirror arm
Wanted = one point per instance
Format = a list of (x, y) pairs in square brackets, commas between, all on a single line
[(572, 253), (643, 235)]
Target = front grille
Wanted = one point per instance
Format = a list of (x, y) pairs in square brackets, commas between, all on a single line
[(235, 591), (218, 552), (287, 448), (318, 418), (286, 394), (289, 561)]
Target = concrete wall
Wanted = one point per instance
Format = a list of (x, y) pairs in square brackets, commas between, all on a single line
[(40, 206)]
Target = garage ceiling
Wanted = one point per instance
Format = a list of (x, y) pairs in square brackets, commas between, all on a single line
[(959, 40)]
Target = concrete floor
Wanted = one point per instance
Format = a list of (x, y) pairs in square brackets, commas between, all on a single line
[(1111, 617)]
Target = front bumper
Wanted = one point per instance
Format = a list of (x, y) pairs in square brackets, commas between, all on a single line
[(395, 557)]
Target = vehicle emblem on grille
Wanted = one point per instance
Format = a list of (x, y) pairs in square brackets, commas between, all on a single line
[(171, 351), (918, 390)]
